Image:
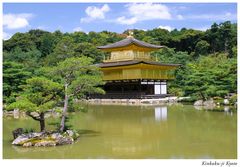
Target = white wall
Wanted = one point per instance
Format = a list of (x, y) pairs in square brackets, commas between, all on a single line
[(160, 89), (157, 89), (163, 89)]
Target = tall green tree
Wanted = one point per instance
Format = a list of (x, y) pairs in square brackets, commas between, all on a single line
[(78, 77), (64, 49), (212, 36), (202, 48), (47, 42), (89, 50), (14, 76), (225, 35), (160, 36), (30, 59), (185, 39), (21, 40), (79, 37), (169, 55), (39, 96)]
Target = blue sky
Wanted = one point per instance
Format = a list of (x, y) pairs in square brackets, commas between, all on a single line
[(117, 17)]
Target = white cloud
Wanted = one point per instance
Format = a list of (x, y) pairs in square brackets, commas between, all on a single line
[(16, 21), (166, 28), (179, 17), (127, 21), (144, 11), (77, 29), (149, 11), (94, 13), (6, 36)]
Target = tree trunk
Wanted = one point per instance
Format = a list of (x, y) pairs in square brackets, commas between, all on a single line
[(42, 122), (203, 97), (64, 113), (225, 46)]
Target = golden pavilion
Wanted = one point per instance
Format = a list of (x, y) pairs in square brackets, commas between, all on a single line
[(131, 73)]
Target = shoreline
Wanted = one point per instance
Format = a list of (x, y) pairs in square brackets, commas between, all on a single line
[(157, 101), (167, 101)]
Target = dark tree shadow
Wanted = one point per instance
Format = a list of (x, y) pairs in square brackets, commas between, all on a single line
[(86, 132)]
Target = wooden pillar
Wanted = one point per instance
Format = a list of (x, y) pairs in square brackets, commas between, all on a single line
[(122, 87)]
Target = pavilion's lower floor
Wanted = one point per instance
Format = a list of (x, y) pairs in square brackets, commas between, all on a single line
[(133, 89)]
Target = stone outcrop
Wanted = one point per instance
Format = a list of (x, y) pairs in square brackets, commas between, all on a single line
[(45, 143), (27, 144), (70, 133), (198, 103), (208, 104), (46, 139), (64, 140), (20, 140), (55, 135)]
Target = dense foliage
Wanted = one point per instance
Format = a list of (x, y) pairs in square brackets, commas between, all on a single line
[(39, 96), (208, 58)]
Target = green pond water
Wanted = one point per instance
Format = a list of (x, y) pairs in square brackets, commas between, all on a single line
[(133, 132)]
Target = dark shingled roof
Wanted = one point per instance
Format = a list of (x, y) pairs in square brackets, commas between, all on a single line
[(132, 62), (129, 41)]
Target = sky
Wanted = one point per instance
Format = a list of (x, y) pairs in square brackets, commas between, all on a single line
[(115, 17)]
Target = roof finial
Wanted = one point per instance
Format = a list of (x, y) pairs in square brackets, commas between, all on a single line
[(130, 34)]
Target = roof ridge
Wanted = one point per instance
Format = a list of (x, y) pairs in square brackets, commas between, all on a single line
[(130, 40)]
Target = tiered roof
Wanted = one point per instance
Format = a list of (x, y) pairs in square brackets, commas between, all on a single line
[(130, 41)]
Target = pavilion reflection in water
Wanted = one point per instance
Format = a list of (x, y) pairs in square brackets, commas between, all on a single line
[(161, 113)]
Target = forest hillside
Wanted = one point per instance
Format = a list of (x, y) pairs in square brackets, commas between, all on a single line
[(208, 58)]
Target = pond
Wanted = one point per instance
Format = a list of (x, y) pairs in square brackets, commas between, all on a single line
[(134, 132)]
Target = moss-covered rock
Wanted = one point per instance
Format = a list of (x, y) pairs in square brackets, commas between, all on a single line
[(46, 139), (45, 143), (27, 144)]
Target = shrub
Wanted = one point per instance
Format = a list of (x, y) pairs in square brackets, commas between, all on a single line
[(176, 91), (233, 99)]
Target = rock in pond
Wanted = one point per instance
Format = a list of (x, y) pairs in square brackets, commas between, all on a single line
[(45, 143), (46, 139), (209, 103), (20, 140), (28, 144), (198, 103), (64, 140), (55, 135), (70, 133)]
